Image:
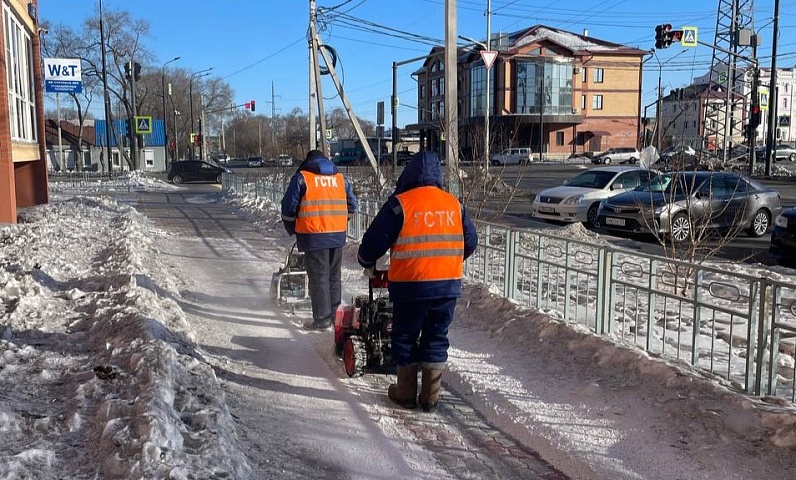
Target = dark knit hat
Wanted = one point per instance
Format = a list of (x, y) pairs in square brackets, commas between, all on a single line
[(312, 154)]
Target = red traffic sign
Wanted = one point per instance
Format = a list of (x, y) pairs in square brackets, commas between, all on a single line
[(488, 56)]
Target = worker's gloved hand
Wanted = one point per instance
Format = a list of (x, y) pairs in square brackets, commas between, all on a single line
[(370, 272)]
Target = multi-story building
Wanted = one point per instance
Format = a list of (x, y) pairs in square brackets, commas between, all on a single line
[(23, 168), (683, 110), (557, 92)]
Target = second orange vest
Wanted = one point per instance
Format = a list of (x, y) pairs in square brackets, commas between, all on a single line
[(323, 208)]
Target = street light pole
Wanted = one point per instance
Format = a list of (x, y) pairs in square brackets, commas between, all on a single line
[(200, 73), (165, 130), (106, 95), (487, 86)]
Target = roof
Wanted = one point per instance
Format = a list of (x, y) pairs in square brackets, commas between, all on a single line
[(578, 44)]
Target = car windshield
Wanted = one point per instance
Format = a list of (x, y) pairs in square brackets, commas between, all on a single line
[(668, 184), (592, 179), (607, 152)]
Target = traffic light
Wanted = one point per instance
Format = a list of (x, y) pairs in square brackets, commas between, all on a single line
[(137, 71), (252, 103), (663, 36), (754, 120)]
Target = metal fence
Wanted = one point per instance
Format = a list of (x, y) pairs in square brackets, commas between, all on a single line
[(720, 321)]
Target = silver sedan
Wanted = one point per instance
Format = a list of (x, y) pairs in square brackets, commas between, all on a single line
[(687, 205)]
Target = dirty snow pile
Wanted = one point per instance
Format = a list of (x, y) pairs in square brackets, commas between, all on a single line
[(98, 372)]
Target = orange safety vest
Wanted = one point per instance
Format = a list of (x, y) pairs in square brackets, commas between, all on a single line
[(323, 208), (430, 245)]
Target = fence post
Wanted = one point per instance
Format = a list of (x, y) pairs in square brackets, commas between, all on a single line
[(762, 335), (604, 288), (776, 299), (509, 283), (695, 328), (751, 335)]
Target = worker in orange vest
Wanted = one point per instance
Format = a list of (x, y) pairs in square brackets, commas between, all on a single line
[(316, 207), (429, 235)]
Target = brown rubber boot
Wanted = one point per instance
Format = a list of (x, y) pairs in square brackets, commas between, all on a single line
[(429, 388), (404, 393)]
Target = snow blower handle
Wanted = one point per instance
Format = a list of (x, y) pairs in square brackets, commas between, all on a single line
[(376, 278)]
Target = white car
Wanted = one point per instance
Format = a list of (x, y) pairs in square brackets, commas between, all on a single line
[(284, 160), (512, 156), (579, 198)]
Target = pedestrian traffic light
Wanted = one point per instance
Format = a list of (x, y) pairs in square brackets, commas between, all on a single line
[(252, 102), (663, 36)]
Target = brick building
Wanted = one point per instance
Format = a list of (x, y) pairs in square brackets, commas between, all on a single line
[(23, 169), (554, 91)]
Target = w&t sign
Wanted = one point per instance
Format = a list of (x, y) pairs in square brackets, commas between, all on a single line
[(62, 75)]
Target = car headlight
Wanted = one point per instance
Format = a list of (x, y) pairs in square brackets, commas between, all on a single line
[(781, 221), (575, 200)]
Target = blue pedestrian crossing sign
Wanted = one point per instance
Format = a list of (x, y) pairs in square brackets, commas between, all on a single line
[(689, 38), (143, 124)]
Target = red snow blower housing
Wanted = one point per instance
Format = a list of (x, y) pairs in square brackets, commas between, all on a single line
[(362, 330)]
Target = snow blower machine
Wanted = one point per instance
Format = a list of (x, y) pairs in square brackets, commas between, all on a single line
[(362, 330), (290, 285)]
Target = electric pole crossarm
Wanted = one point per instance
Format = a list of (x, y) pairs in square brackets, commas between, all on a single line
[(351, 116)]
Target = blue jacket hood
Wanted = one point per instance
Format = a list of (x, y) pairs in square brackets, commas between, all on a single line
[(318, 166), (422, 171)]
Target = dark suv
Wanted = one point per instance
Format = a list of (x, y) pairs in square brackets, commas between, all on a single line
[(196, 171)]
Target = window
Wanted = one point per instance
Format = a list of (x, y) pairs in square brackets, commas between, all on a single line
[(19, 78), (784, 102), (583, 102), (597, 102), (422, 91), (559, 139), (583, 74), (599, 75), (543, 87), (478, 87)]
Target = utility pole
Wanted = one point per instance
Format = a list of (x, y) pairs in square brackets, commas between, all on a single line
[(313, 57), (273, 119), (61, 162), (451, 124), (202, 123), (773, 92)]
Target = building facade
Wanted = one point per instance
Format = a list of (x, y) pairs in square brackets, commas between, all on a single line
[(560, 93), (23, 169)]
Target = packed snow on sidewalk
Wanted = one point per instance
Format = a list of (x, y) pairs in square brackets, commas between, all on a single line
[(100, 376)]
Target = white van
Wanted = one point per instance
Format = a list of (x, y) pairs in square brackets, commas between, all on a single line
[(512, 156)]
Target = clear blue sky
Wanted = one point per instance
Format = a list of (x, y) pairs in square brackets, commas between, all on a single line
[(252, 43)]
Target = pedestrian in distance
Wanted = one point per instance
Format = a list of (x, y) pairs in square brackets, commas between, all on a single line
[(316, 207), (429, 235)]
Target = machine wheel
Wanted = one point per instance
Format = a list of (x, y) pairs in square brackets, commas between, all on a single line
[(607, 160), (220, 178), (632, 161), (591, 216), (177, 179), (355, 356), (792, 157)]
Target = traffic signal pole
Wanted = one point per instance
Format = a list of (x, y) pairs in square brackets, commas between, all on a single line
[(773, 100)]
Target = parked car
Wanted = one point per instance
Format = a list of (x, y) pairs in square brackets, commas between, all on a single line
[(783, 238), (220, 157), (617, 155), (676, 204), (579, 198), (677, 150), (255, 162), (195, 171), (512, 156)]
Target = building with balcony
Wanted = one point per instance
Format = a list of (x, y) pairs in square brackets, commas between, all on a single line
[(23, 168), (557, 92)]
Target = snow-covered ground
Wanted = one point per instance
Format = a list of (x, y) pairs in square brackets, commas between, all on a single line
[(101, 375)]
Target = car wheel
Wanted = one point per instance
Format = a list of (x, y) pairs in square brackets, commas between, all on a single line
[(680, 228), (219, 178), (591, 216), (495, 163), (792, 157), (632, 161), (760, 223), (177, 179), (606, 160)]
